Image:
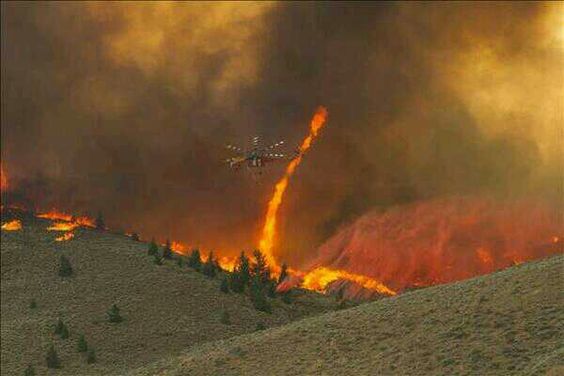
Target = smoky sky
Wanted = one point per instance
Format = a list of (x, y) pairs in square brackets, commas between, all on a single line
[(125, 108)]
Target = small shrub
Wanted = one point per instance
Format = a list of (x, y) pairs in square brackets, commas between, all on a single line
[(65, 268), (180, 262), (59, 327), (260, 326), (224, 287), (29, 371), (167, 251), (114, 315), (32, 304), (135, 237), (65, 332), (236, 283), (153, 248), (82, 345), (52, 358), (91, 357), (225, 319), (157, 260), (286, 297)]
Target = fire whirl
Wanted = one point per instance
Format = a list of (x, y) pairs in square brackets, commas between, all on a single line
[(268, 237)]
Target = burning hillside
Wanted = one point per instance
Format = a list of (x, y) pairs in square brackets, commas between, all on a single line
[(440, 241)]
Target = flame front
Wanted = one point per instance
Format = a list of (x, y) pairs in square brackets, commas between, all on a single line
[(63, 226), (267, 239), (319, 278), (14, 225)]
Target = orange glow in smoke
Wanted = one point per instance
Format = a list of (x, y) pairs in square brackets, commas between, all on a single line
[(14, 225), (268, 236)]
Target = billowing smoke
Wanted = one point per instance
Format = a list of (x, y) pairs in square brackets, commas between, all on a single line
[(124, 108)]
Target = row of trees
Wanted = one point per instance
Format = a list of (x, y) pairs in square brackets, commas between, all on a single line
[(249, 275)]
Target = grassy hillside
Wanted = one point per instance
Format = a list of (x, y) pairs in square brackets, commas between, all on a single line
[(506, 323), (166, 309)]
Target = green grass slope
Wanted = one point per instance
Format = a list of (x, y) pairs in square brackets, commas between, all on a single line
[(506, 323), (166, 309)]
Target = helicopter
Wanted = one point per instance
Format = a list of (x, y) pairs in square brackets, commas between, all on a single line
[(256, 157)]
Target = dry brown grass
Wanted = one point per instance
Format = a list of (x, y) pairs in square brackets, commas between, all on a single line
[(506, 323), (166, 309)]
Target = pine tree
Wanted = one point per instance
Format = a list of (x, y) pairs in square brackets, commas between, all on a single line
[(283, 273), (114, 315), (195, 260), (260, 269), (65, 268), (91, 357), (243, 269), (82, 345), (52, 358), (65, 332), (59, 327), (99, 223), (258, 298), (167, 251), (153, 248), (271, 289), (209, 266), (224, 287)]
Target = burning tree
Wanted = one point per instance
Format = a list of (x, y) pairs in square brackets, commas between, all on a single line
[(283, 273)]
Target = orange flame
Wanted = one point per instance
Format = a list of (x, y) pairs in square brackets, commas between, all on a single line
[(55, 215), (319, 278), (14, 225), (63, 226), (66, 236), (268, 236), (60, 216)]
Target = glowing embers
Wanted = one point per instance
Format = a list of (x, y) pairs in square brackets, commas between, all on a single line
[(66, 236), (13, 225)]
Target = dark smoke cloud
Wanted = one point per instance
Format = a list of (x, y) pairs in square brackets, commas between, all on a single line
[(124, 108)]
